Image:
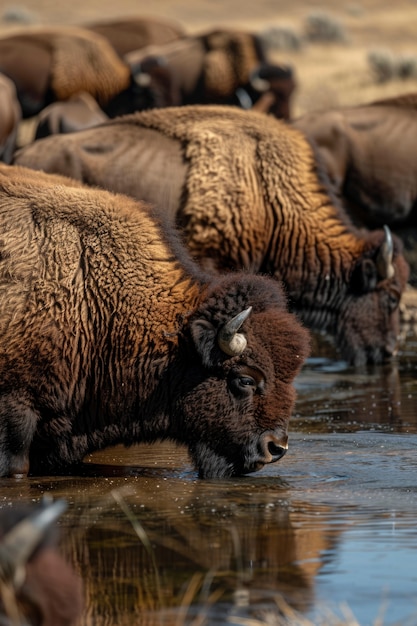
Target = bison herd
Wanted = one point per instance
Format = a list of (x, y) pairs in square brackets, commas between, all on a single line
[(161, 264)]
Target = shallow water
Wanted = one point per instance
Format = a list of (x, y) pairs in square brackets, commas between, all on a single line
[(333, 523)]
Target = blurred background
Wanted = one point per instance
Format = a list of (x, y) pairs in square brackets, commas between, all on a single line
[(341, 53)]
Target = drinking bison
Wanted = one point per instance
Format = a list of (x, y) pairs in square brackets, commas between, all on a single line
[(110, 334), (246, 192)]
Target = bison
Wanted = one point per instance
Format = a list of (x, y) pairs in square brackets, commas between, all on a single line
[(110, 334), (38, 587), (369, 152), (56, 63), (217, 67), (245, 191), (370, 155)]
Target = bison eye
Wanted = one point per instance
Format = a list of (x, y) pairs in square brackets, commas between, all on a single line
[(244, 385), (246, 381)]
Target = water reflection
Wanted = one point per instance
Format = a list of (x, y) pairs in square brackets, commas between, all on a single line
[(238, 536)]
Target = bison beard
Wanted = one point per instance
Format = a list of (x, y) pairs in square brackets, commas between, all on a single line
[(110, 334)]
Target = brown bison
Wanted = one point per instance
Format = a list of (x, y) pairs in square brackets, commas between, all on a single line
[(38, 587), (110, 334), (370, 154), (133, 32), (10, 116), (55, 63), (245, 191), (218, 67)]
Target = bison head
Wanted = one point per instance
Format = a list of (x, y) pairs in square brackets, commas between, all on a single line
[(367, 327), (246, 351)]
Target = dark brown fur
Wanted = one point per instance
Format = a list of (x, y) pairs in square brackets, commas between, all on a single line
[(245, 191), (108, 335)]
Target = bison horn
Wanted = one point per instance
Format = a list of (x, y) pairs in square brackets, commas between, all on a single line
[(20, 542), (385, 254), (230, 341), (258, 83)]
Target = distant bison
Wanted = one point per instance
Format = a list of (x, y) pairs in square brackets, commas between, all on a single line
[(216, 67), (54, 63), (110, 334), (370, 154), (37, 586), (245, 191)]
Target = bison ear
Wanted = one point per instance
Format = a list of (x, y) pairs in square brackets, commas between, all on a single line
[(364, 277), (204, 337)]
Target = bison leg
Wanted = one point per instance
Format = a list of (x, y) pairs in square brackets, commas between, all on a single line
[(18, 421)]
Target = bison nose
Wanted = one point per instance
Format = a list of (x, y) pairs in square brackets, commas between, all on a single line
[(273, 448)]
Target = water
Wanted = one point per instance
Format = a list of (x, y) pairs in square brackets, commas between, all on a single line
[(331, 525)]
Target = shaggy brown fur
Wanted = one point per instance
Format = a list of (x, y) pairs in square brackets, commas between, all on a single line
[(370, 154), (245, 191), (110, 334), (85, 62)]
